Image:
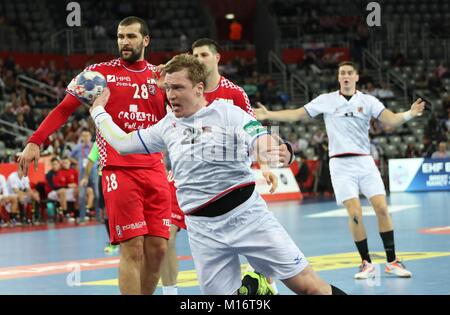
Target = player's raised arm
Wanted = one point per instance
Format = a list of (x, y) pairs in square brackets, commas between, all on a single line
[(287, 115), (138, 141), (394, 120)]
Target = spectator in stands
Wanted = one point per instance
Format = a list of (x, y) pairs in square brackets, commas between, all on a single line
[(99, 31), (411, 151), (70, 176), (370, 89), (28, 198), (2, 87), (303, 171), (428, 147), (442, 152), (447, 121), (299, 145), (398, 59), (73, 131), (29, 118), (384, 92), (87, 194), (435, 83), (56, 185), (441, 71), (446, 103), (184, 45), (318, 138), (421, 83), (235, 31), (9, 205)]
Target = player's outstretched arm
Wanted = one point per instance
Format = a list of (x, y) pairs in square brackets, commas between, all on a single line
[(138, 141), (287, 115), (394, 120), (57, 117)]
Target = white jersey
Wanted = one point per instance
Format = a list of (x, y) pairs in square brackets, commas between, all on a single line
[(209, 151), (15, 182), (347, 122), (3, 186)]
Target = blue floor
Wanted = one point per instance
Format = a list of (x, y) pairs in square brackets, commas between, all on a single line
[(39, 262)]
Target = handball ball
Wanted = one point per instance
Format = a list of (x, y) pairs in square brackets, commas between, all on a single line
[(88, 85)]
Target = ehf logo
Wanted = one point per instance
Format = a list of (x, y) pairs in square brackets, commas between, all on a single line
[(400, 175), (119, 231)]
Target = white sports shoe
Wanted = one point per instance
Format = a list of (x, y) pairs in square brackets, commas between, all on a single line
[(366, 270), (398, 269)]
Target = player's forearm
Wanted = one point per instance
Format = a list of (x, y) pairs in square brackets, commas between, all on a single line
[(124, 143), (57, 117), (397, 119), (288, 115)]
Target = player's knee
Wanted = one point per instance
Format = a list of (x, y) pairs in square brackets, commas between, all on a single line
[(132, 249), (156, 250), (319, 289), (382, 211), (355, 217)]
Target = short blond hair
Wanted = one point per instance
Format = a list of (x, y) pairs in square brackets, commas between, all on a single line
[(196, 70)]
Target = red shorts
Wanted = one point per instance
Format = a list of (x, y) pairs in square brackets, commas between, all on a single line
[(177, 213), (138, 202)]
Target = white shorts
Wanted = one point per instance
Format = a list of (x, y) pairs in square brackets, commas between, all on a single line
[(250, 230), (70, 195), (353, 175)]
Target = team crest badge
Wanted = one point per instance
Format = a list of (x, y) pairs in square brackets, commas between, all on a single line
[(151, 84), (119, 231)]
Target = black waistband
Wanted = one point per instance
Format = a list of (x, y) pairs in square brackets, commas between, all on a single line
[(227, 202), (348, 155)]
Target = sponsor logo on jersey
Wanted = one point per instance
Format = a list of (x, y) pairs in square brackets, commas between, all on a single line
[(119, 231), (166, 222), (254, 127), (110, 78), (137, 117)]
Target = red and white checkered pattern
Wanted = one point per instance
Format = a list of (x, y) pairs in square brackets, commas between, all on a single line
[(101, 144), (112, 63), (228, 85)]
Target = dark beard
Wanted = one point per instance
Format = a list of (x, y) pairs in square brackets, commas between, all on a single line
[(135, 55)]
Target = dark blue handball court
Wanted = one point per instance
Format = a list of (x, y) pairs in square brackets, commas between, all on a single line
[(70, 260)]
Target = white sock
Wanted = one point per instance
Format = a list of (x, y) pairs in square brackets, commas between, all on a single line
[(170, 290), (274, 286)]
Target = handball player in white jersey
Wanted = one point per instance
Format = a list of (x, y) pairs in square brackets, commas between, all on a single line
[(347, 115), (210, 148)]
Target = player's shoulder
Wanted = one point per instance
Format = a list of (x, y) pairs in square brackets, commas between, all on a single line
[(367, 97), (224, 108), (227, 84), (111, 64)]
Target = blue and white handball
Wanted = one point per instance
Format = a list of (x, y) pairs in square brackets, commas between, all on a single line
[(88, 85)]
